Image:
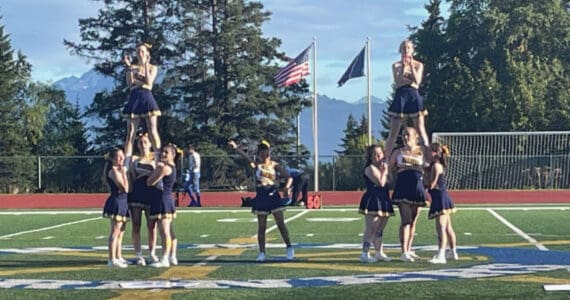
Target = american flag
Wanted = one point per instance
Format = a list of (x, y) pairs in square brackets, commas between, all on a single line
[(294, 71)]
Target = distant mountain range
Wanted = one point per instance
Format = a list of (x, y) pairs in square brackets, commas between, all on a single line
[(333, 113)]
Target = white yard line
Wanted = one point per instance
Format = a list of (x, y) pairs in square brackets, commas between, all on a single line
[(518, 231), (214, 257), (48, 228), (305, 211)]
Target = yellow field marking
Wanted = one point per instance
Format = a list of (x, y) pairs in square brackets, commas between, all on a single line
[(147, 295), (99, 254), (50, 270), (476, 257), (222, 252), (328, 254), (363, 268), (532, 279), (562, 242), (243, 240), (188, 272)]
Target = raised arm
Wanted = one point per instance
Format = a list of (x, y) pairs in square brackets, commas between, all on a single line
[(234, 146)]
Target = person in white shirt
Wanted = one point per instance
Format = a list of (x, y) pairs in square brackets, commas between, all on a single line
[(192, 182)]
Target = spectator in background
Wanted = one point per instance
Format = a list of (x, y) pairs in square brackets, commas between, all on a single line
[(300, 185), (192, 182)]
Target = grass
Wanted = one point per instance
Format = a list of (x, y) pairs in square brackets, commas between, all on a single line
[(327, 242)]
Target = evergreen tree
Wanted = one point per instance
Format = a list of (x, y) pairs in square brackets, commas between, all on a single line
[(119, 27), (496, 65), (350, 164), (14, 117)]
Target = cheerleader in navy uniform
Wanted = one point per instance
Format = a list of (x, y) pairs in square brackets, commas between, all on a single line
[(407, 102), (116, 207), (141, 103), (140, 198), (375, 204), (409, 193), (267, 199), (441, 204), (162, 208)]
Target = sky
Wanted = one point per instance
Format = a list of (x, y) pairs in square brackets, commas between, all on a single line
[(340, 27)]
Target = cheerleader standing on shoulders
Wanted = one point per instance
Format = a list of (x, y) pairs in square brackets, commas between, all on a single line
[(116, 207), (140, 198), (162, 208), (375, 204), (409, 193), (267, 200), (441, 204), (141, 104)]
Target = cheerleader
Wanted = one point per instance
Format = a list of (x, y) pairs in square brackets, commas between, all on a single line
[(375, 204), (141, 103), (407, 102), (409, 193), (162, 208), (116, 207), (441, 204), (140, 197), (267, 199)]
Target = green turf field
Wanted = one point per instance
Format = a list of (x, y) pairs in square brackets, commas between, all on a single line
[(506, 252)]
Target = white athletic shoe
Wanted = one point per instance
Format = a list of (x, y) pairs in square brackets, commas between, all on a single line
[(173, 261), (260, 257), (115, 263), (451, 255), (381, 256), (140, 261), (367, 259), (290, 253), (163, 263), (122, 260), (438, 260), (414, 255), (406, 257), (152, 259)]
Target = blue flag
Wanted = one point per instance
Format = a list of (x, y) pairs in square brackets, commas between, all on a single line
[(356, 68)]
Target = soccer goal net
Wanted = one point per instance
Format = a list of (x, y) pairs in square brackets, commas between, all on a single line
[(507, 160)]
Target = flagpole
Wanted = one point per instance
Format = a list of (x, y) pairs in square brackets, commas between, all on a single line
[(315, 117), (368, 89)]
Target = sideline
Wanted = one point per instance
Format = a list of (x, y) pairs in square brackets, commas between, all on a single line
[(48, 228)]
